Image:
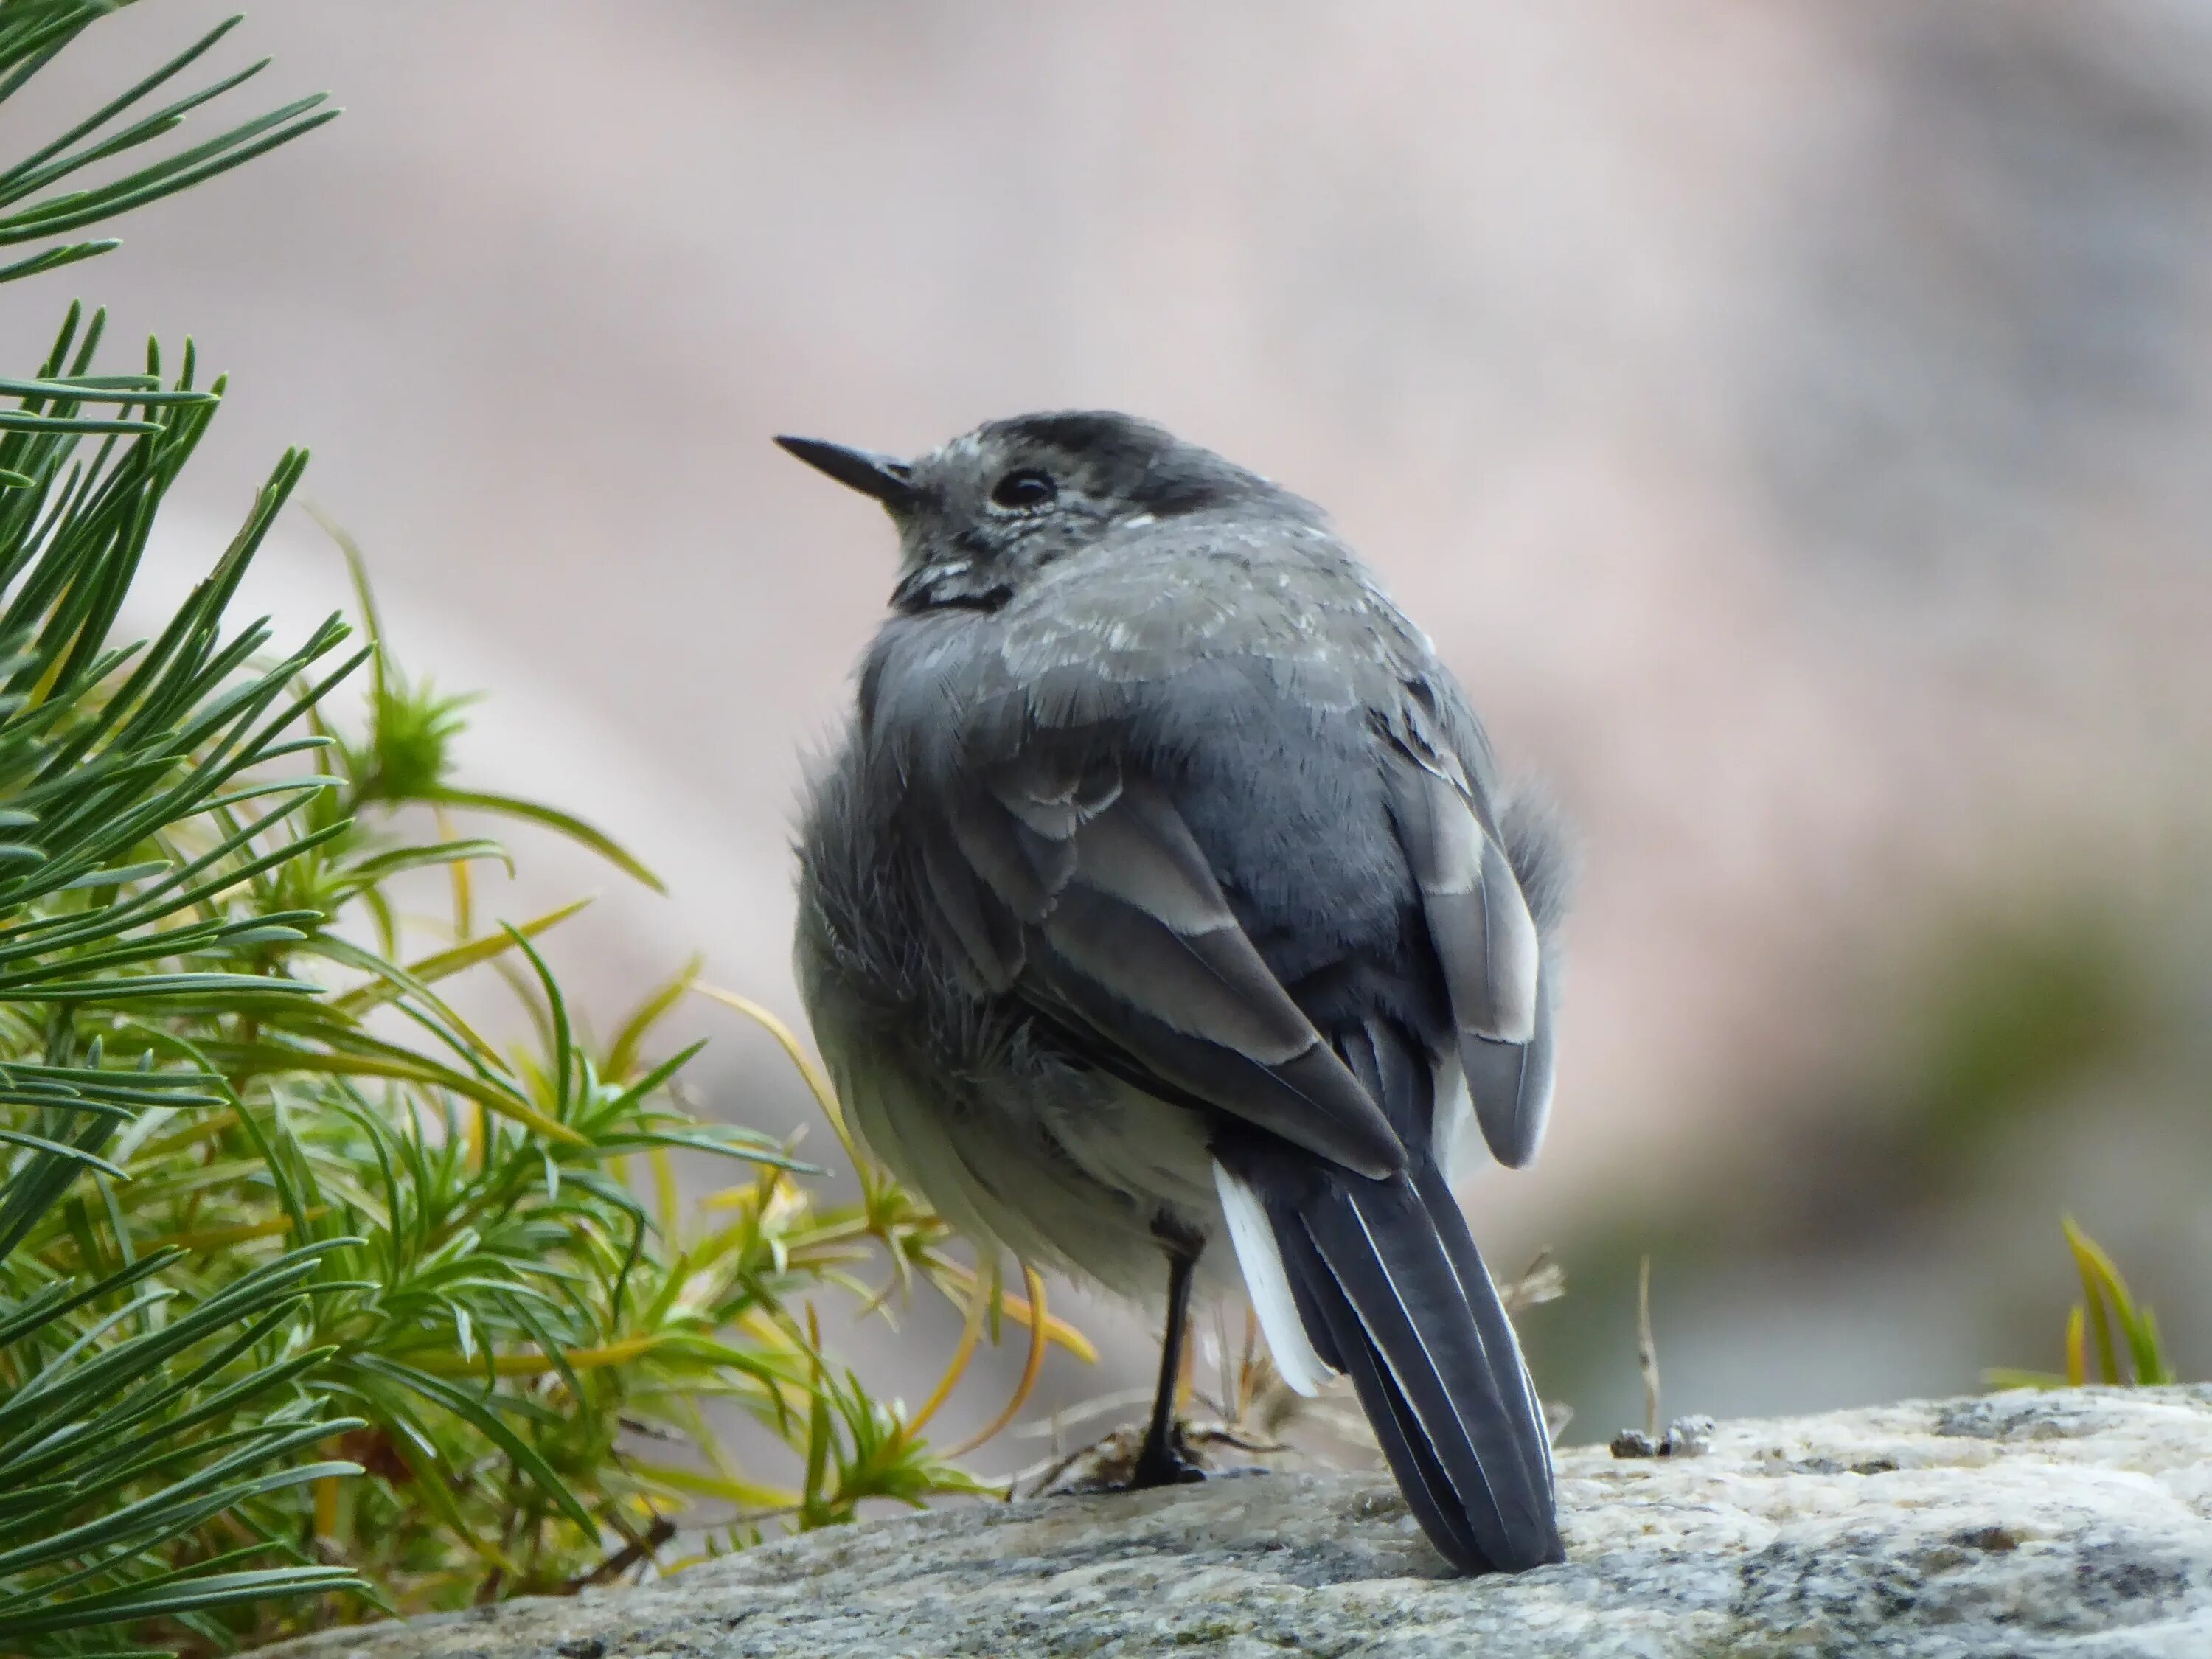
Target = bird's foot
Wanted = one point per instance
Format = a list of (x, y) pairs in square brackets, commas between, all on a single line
[(1165, 1461), (1199, 1450)]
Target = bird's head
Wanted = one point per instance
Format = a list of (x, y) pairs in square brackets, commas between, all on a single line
[(978, 516)]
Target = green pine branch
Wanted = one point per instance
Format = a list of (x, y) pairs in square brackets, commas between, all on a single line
[(313, 1301), (73, 182)]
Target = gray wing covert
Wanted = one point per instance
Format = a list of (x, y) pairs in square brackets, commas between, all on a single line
[(1486, 938), (1060, 867), (1073, 882)]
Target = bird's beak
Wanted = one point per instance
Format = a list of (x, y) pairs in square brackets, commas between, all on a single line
[(891, 481)]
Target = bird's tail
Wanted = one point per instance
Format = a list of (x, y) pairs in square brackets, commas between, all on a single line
[(1390, 1290)]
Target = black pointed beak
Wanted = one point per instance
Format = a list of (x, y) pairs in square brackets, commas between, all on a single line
[(891, 481)]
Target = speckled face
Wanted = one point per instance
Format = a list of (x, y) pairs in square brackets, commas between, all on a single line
[(977, 516), (1004, 500)]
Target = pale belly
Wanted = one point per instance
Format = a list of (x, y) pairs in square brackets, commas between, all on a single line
[(1060, 1166)]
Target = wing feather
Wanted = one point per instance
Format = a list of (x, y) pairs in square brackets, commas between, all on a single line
[(1087, 894), (1486, 944)]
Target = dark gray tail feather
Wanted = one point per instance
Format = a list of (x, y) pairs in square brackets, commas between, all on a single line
[(1390, 1290)]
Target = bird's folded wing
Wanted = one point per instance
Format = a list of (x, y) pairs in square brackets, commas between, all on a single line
[(1485, 939), (1081, 889)]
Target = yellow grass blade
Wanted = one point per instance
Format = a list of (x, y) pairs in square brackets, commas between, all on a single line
[(538, 1364), (210, 1238), (1017, 1310), (664, 1191), (464, 923), (443, 965), (2105, 1292), (1029, 1372), (824, 1095), (698, 1484), (971, 1332)]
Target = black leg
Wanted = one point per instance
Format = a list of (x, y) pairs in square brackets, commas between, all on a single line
[(1162, 1463)]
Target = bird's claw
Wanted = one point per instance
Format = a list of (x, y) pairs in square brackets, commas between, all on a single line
[(1167, 1462)]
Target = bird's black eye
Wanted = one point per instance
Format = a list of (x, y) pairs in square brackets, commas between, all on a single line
[(1026, 487)]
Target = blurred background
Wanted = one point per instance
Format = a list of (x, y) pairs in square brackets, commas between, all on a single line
[(1794, 422)]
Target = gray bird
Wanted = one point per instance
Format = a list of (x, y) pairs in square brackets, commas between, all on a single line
[(1162, 893)]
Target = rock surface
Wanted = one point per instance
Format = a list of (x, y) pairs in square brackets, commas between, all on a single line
[(2077, 1523)]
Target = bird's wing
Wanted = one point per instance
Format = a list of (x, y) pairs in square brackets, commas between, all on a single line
[(1075, 884), (1485, 939)]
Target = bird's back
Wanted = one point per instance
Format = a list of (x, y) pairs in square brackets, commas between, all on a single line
[(1252, 671)]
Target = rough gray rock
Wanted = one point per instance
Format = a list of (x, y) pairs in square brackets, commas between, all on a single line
[(2075, 1523)]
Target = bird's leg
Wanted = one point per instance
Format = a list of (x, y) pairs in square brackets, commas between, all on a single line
[(1161, 1462)]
